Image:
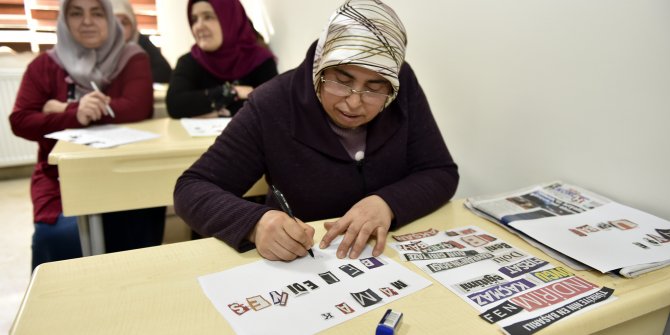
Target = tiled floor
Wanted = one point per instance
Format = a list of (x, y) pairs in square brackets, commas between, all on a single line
[(16, 230)]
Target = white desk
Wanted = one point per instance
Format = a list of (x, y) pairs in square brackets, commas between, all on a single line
[(156, 291), (132, 176)]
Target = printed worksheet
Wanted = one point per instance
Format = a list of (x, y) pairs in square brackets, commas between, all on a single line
[(314, 293), (519, 292), (106, 136), (205, 127)]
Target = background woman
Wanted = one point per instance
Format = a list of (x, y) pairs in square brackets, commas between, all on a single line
[(160, 68), (56, 93), (224, 65)]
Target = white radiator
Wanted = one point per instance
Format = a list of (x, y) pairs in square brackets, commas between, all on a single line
[(13, 150)]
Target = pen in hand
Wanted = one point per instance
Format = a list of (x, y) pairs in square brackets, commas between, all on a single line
[(284, 206), (109, 109)]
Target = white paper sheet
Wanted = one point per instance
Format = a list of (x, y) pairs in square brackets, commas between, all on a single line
[(601, 239), (205, 127), (243, 295), (105, 136)]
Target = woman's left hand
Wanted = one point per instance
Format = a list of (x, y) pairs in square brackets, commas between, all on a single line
[(367, 218), (243, 91)]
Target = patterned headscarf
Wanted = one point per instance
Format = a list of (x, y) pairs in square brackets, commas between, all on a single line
[(365, 33), (240, 53), (84, 65)]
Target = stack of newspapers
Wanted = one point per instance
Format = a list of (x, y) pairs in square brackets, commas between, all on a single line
[(580, 228)]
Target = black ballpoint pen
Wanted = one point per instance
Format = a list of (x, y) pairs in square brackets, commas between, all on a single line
[(284, 206)]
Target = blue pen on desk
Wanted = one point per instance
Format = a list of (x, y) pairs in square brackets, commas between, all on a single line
[(284, 207), (109, 109)]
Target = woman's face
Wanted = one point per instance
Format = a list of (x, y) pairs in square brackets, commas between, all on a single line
[(353, 109), (87, 22), (127, 26), (206, 28)]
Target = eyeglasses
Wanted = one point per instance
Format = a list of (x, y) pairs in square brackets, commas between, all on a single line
[(342, 90)]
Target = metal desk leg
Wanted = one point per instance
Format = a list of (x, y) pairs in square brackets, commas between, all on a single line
[(91, 234)]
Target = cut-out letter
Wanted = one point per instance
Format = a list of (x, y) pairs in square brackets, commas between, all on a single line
[(344, 308), (366, 298), (238, 309), (329, 277), (258, 302), (351, 270)]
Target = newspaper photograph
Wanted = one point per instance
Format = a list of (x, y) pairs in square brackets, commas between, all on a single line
[(538, 201)]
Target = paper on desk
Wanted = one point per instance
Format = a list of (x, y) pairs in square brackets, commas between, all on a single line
[(105, 136), (519, 292), (320, 292), (607, 238), (205, 127)]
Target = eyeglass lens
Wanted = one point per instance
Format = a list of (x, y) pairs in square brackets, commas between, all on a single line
[(342, 90)]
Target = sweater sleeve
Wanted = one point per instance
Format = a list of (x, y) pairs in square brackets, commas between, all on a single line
[(207, 196), (184, 97), (133, 99), (433, 174), (37, 87)]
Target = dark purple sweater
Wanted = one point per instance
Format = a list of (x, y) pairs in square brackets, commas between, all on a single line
[(283, 132)]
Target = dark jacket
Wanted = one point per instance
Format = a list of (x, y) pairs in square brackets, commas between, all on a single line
[(187, 96), (283, 132)]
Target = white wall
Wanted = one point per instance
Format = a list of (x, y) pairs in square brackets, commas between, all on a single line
[(176, 38), (533, 90)]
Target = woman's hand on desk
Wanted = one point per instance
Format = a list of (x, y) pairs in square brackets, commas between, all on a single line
[(279, 237), (209, 115), (369, 217), (92, 107), (223, 112)]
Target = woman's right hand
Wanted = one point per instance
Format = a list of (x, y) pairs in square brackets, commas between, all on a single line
[(279, 237), (92, 107)]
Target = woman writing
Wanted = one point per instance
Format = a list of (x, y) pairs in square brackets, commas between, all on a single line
[(224, 65), (347, 134), (57, 93)]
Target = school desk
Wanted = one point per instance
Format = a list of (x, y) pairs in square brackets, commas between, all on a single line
[(156, 291), (131, 176)]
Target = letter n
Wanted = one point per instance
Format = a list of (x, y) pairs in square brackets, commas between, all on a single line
[(279, 298)]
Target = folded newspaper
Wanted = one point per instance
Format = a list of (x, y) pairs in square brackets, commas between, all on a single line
[(580, 228)]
